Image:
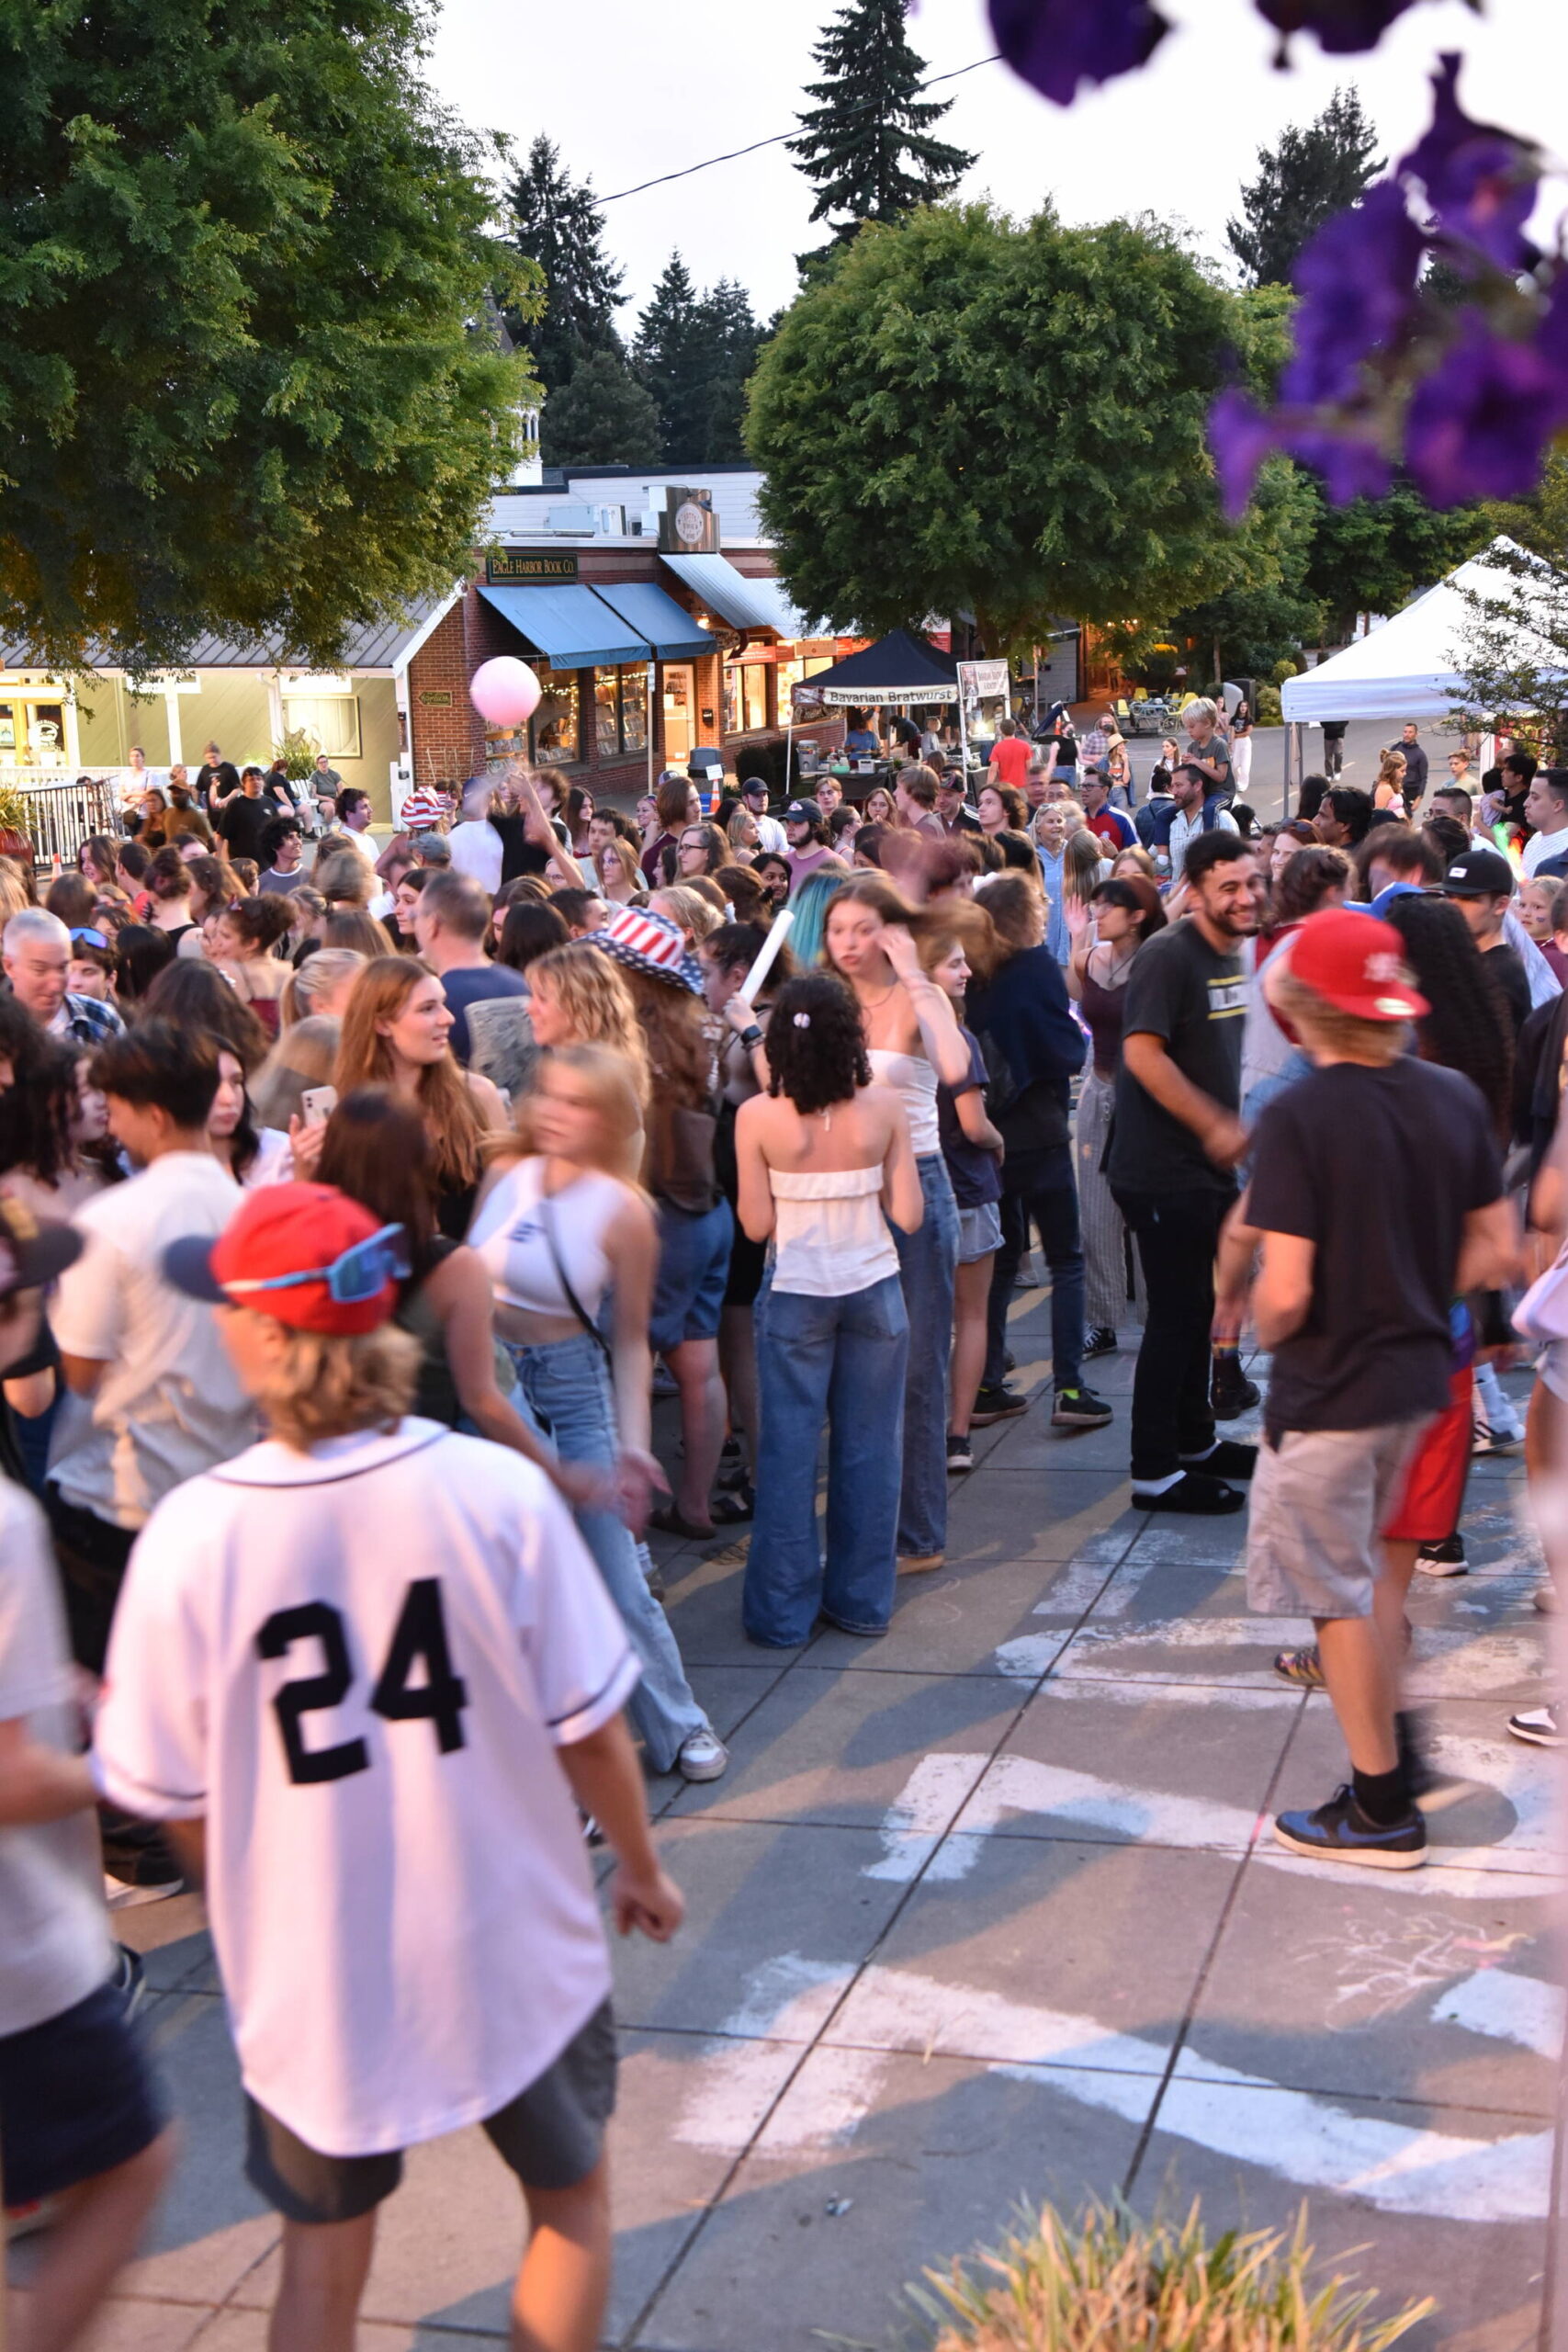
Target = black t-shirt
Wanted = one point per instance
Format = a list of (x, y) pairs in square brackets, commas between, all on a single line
[(518, 854), (1378, 1169), (241, 823), (976, 1178), (905, 731), (1180, 991), (1506, 967), (217, 782)]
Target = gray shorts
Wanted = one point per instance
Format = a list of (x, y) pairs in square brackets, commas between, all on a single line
[(979, 1232), (1319, 1499), (550, 2134)]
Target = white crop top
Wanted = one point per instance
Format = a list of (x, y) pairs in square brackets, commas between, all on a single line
[(830, 1237), (511, 1237), (913, 1080)]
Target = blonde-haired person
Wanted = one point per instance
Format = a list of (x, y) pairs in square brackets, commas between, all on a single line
[(742, 833), (692, 913), (618, 874), (344, 879), (481, 1672), (1388, 788), (578, 998), (303, 1059), (320, 986), (559, 1230), (395, 1031), (1054, 827), (1084, 866), (914, 1042)]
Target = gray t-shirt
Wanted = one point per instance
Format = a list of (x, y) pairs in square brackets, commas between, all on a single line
[(55, 1946)]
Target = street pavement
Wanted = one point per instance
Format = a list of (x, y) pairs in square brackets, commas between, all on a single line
[(988, 1912)]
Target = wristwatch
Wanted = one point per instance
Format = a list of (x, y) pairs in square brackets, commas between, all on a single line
[(752, 1036)]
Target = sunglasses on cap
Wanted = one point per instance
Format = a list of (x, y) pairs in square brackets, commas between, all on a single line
[(358, 1275), (93, 938)]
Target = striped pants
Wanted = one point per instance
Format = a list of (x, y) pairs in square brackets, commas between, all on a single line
[(1104, 1234)]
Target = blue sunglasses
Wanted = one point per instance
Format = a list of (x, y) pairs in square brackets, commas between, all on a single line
[(94, 938), (357, 1275)]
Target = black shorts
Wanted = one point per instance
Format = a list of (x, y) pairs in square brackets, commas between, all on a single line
[(77, 2098), (550, 2135)]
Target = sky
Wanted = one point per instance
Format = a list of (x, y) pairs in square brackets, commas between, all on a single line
[(628, 92)]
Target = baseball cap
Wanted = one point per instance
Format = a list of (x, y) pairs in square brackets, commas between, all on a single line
[(805, 811), (32, 1253), (1479, 874), (305, 1254), (1357, 964), (752, 786)]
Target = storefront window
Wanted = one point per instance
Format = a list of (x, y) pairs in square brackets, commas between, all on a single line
[(745, 697), (557, 733), (731, 699), (606, 713), (634, 709)]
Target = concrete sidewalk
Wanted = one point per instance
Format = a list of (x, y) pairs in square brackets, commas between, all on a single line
[(987, 1911)]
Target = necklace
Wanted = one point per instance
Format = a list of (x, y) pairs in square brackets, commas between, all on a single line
[(868, 1006)]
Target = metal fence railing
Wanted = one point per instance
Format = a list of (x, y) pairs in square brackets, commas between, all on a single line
[(61, 817)]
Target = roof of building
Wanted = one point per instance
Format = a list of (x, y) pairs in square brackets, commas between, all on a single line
[(373, 645)]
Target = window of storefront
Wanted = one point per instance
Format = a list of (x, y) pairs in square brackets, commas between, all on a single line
[(745, 697), (620, 711), (555, 727)]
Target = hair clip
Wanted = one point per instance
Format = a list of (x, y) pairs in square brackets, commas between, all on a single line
[(803, 1021)]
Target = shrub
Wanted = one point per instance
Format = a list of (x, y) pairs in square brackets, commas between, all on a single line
[(1115, 2284)]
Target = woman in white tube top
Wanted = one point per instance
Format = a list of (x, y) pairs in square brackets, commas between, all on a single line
[(914, 1043), (823, 1161)]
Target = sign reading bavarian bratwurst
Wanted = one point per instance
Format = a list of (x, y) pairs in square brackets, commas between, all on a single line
[(524, 563)]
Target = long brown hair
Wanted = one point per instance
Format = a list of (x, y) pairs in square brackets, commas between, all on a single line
[(452, 1124), (681, 1058), (376, 1149)]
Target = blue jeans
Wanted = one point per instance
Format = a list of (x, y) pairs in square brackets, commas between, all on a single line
[(927, 1260), (1038, 1187), (843, 1360), (563, 1389)]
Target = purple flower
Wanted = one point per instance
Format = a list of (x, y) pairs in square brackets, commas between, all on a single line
[(1343, 27), (1056, 44), (1241, 436), (1480, 182), (1357, 281), (1348, 465), (1479, 424)]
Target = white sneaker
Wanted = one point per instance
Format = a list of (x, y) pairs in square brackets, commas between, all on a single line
[(1538, 1727), (702, 1755)]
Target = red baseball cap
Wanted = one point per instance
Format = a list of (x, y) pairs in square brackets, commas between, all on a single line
[(305, 1254), (1356, 963)]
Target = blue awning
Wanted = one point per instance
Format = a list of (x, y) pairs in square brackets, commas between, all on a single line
[(572, 628), (673, 633), (737, 597)]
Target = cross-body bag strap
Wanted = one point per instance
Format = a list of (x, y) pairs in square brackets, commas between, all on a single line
[(548, 1224)]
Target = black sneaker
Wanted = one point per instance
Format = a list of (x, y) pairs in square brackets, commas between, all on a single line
[(960, 1453), (1230, 1391), (1010, 1362), (1340, 1832), (1444, 1559), (1100, 1341), (1228, 1459), (999, 1404), (1080, 1408), (1194, 1491)]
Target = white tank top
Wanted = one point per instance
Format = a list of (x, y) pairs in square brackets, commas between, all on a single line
[(511, 1236), (914, 1081), (830, 1237)]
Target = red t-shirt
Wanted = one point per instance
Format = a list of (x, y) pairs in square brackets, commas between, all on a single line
[(1009, 757)]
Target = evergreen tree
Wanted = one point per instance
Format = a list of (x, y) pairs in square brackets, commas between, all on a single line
[(731, 338), (867, 143), (1309, 176), (557, 225), (672, 360), (600, 417)]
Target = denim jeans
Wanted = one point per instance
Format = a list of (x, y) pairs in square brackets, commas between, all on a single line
[(927, 1260), (1039, 1185), (563, 1388), (843, 1360)]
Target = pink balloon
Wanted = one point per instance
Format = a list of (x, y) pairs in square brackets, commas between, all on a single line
[(504, 691)]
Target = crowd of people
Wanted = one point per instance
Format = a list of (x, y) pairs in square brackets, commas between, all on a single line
[(352, 1218)]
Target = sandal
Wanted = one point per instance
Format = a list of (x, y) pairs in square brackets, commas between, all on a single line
[(734, 1504), (670, 1521)]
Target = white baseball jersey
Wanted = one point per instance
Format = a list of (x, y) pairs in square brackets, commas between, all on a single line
[(356, 1664)]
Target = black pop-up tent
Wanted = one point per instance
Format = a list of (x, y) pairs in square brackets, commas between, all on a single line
[(900, 668)]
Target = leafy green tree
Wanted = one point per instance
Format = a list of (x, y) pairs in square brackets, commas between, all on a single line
[(1262, 614), (242, 250), (557, 225), (603, 416), (867, 143), (974, 414), (1372, 555), (1311, 174)]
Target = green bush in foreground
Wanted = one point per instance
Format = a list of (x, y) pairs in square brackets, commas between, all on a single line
[(1117, 2284)]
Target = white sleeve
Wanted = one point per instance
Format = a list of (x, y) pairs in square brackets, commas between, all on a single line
[(150, 1740), (1225, 823), (584, 1668), (35, 1666), (85, 1313)]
